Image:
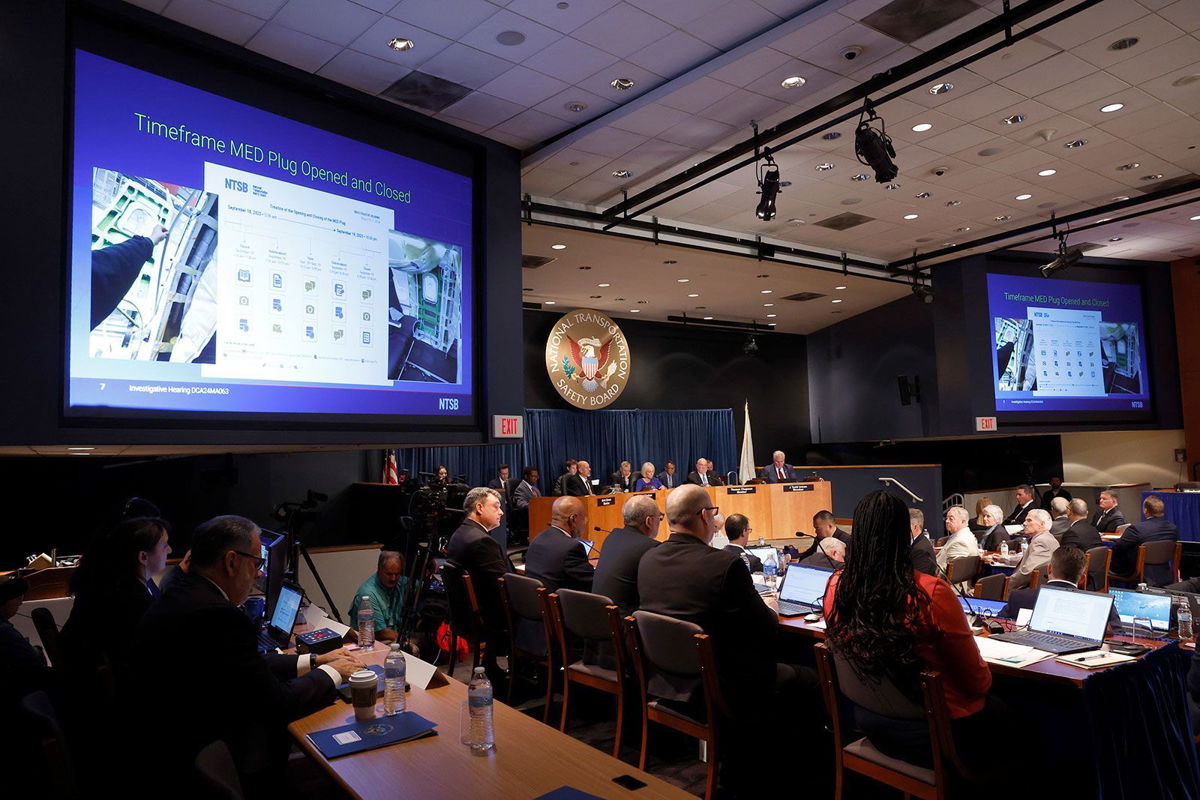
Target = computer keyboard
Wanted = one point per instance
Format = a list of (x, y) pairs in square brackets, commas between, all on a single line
[(787, 609), (1044, 641)]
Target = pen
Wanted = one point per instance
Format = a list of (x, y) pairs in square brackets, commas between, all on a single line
[(1089, 658)]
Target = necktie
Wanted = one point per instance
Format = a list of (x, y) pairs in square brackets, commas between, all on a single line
[(704, 478), (781, 473)]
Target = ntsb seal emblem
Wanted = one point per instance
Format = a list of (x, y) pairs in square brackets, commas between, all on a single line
[(587, 359)]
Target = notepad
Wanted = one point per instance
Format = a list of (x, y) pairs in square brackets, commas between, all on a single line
[(1094, 659), (1012, 655), (359, 736)]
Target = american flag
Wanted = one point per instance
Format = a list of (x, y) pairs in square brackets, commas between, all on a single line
[(389, 468)]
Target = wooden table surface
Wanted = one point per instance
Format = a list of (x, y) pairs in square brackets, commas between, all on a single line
[(530, 758)]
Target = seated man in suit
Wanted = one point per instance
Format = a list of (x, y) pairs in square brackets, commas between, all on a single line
[(830, 554), (226, 690), (778, 471), (580, 484), (920, 549), (501, 484), (617, 570), (1036, 553), (686, 578), (527, 489), (701, 475), (1054, 491), (995, 534), (1024, 505), (1064, 569), (1080, 532), (623, 478), (1058, 517), (962, 542), (825, 527), (737, 528), (667, 477), (472, 548), (555, 557), (560, 483), (386, 589), (1154, 528), (1109, 517), (23, 668)]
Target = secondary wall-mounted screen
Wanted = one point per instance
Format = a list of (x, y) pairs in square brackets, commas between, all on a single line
[(227, 261), (1061, 345)]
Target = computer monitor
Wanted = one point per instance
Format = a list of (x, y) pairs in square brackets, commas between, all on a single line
[(764, 554), (274, 550), (284, 617), (1154, 607), (988, 608)]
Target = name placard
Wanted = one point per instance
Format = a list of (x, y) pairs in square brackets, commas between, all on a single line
[(606, 501), (797, 487), (742, 490)]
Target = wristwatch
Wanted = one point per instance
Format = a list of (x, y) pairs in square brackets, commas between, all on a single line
[(312, 661)]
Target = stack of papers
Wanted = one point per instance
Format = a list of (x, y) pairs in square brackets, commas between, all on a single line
[(1007, 653)]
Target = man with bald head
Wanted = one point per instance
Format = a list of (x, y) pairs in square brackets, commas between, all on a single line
[(617, 571), (556, 557)]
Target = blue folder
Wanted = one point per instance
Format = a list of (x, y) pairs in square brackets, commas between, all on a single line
[(359, 736)]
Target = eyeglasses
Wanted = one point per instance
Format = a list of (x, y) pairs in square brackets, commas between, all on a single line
[(258, 560)]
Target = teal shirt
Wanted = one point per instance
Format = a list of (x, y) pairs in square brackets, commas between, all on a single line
[(387, 603)]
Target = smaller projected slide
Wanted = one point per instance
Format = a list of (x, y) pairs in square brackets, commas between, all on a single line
[(1066, 345)]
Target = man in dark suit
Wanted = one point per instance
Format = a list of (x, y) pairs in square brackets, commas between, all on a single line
[(1066, 566), (1024, 505), (667, 477), (778, 471), (617, 570), (1054, 491), (702, 476), (1154, 528), (686, 578), (500, 482), (920, 549), (527, 489), (555, 557), (623, 478), (226, 689), (473, 548), (1080, 532), (824, 527), (580, 484), (560, 484), (1109, 517), (737, 529)]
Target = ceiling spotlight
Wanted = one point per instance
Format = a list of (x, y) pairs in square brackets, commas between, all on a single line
[(873, 147), (622, 84), (839, 288), (1003, 218), (862, 176), (1129, 166), (693, 294), (1067, 257), (584, 267), (680, 280), (635, 311), (795, 221), (772, 316), (963, 229), (768, 187), (594, 296), (921, 127), (941, 88), (1155, 177), (1120, 198), (923, 195), (510, 38), (622, 173), (401, 44), (1111, 107), (1013, 119), (1194, 219), (792, 82), (910, 216), (576, 106), (825, 166), (707, 318), (835, 301), (766, 291), (891, 187), (1116, 238), (1124, 44), (1046, 173), (953, 203), (829, 137), (768, 305), (604, 285), (922, 291), (558, 247), (751, 346), (1071, 145), (548, 302)]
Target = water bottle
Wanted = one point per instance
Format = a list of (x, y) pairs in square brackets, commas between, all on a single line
[(1141, 587), (479, 700), (1185, 620), (366, 623), (1004, 549), (770, 570), (761, 541)]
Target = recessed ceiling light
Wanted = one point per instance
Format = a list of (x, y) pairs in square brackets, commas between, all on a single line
[(595, 296), (836, 301), (576, 106), (862, 176), (1003, 218), (891, 187), (682, 280), (1156, 176), (619, 299), (670, 261), (401, 44), (923, 195), (772, 316), (792, 82), (762, 275), (910, 216), (1023, 196), (1124, 44), (1013, 119), (839, 288), (79, 454), (963, 229), (795, 221), (1129, 166), (1194, 219), (558, 247), (604, 285), (584, 267), (953, 203), (549, 303), (1120, 197), (622, 173), (1071, 145), (824, 166), (921, 127), (621, 83), (1046, 173), (1116, 238), (693, 294), (708, 318), (766, 291), (563, 5), (941, 88), (1111, 107), (768, 305), (510, 38), (829, 137), (635, 311), (527, 289)]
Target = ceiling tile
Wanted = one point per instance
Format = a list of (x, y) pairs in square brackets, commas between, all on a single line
[(1185, 14), (523, 86), (1106, 16), (650, 120), (482, 109), (622, 30), (360, 71), (1015, 58), (1133, 100), (1049, 74), (817, 30), (337, 21), (570, 60), (466, 65), (1085, 90), (473, 127), (697, 133), (1159, 61), (1151, 32), (697, 95), (731, 23), (557, 106), (292, 47), (204, 15), (449, 18), (751, 66), (537, 37), (263, 9), (566, 19), (984, 101), (546, 182), (740, 107), (610, 142), (677, 12), (531, 124), (674, 54), (827, 52)]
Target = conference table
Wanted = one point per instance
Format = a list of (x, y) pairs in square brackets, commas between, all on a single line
[(775, 510), (530, 759)]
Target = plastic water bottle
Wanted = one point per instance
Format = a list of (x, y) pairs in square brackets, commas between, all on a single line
[(762, 542), (1004, 549), (479, 700), (1185, 620), (394, 670), (366, 623), (770, 570)]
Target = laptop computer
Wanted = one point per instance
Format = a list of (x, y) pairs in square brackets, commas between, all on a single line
[(278, 632), (764, 554), (588, 546), (988, 608), (1155, 607), (803, 590), (1064, 621)]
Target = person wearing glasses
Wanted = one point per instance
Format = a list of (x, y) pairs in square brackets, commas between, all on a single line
[(197, 647), (686, 578), (617, 570)]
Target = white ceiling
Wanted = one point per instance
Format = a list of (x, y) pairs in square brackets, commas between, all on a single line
[(704, 68)]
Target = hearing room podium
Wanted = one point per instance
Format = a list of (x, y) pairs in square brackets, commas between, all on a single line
[(775, 510)]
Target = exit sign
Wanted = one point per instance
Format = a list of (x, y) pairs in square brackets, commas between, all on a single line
[(506, 426), (985, 424)]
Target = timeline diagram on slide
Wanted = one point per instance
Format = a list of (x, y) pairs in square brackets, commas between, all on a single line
[(302, 282)]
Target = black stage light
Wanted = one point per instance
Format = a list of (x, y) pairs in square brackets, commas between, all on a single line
[(1067, 257), (873, 147), (750, 347), (768, 188), (922, 291)]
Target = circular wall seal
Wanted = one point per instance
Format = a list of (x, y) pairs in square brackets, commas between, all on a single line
[(587, 359)]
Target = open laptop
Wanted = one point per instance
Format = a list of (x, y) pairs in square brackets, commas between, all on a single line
[(278, 632), (1064, 621), (988, 608), (803, 590), (764, 554), (1155, 607)]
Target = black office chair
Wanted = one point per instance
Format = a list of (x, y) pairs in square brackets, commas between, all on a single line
[(465, 620), (218, 773), (47, 630)]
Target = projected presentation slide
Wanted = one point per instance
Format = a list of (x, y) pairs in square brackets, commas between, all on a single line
[(225, 259), (1067, 345)]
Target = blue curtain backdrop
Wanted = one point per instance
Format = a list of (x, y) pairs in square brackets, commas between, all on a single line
[(606, 438), (477, 462)]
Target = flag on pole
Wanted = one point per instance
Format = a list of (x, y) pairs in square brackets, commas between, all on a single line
[(389, 468), (746, 466)]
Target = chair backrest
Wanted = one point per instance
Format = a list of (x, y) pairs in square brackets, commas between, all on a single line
[(463, 607), (524, 601), (41, 721), (1160, 552), (585, 614), (218, 773), (1035, 579), (1099, 559), (992, 587), (50, 582), (667, 643), (521, 592), (1121, 528), (963, 569), (47, 629), (878, 695)]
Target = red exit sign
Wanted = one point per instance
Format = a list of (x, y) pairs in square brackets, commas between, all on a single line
[(505, 426), (985, 424)]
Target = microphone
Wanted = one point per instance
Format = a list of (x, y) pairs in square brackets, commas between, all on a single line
[(604, 530), (977, 619), (729, 480)]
